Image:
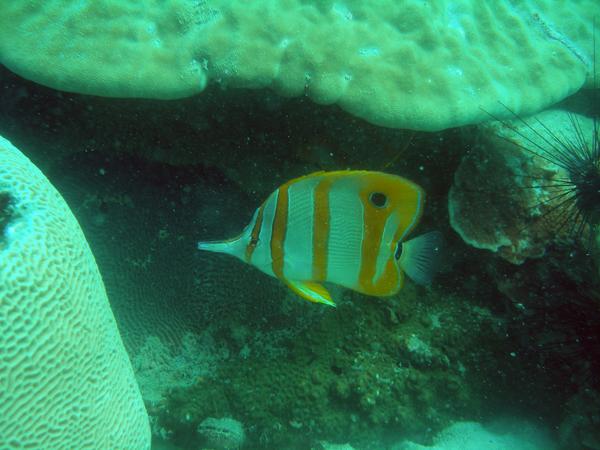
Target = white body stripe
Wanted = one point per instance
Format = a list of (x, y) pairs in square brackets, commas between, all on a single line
[(298, 245), (261, 258), (383, 254), (346, 230)]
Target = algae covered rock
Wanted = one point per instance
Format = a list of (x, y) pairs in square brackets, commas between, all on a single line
[(513, 193)]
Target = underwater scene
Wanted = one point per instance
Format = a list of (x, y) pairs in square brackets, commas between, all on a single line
[(300, 225)]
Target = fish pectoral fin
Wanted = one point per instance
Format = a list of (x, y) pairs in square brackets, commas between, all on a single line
[(311, 291)]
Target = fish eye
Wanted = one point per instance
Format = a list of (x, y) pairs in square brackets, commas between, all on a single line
[(378, 199)]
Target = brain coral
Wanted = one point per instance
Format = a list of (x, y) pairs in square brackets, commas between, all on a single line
[(65, 379), (404, 64)]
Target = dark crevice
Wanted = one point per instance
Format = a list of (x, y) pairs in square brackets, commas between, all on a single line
[(5, 213)]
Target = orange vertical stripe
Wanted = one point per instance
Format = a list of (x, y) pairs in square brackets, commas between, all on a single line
[(279, 230), (402, 200), (254, 237), (321, 229), (374, 220)]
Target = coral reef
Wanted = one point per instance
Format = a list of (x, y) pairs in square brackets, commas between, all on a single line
[(66, 379), (366, 369), (474, 436), (159, 369), (223, 434), (509, 193), (400, 64), (329, 446), (148, 179)]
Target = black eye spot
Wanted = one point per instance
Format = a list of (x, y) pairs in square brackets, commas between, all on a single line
[(378, 199)]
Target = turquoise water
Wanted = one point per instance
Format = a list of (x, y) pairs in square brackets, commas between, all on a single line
[(501, 351)]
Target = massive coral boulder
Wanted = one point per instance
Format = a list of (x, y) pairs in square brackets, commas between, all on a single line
[(404, 64), (65, 379)]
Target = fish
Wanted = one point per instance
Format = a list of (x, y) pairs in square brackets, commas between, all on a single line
[(346, 227)]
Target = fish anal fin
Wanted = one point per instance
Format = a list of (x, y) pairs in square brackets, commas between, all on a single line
[(311, 291)]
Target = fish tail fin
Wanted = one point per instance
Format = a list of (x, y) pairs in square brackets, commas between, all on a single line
[(421, 257), (235, 247)]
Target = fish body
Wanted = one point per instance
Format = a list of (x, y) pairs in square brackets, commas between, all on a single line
[(343, 227)]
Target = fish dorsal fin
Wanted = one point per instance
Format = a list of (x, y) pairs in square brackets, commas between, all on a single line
[(311, 291), (420, 258)]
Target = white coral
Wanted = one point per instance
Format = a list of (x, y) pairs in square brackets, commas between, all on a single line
[(65, 379)]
